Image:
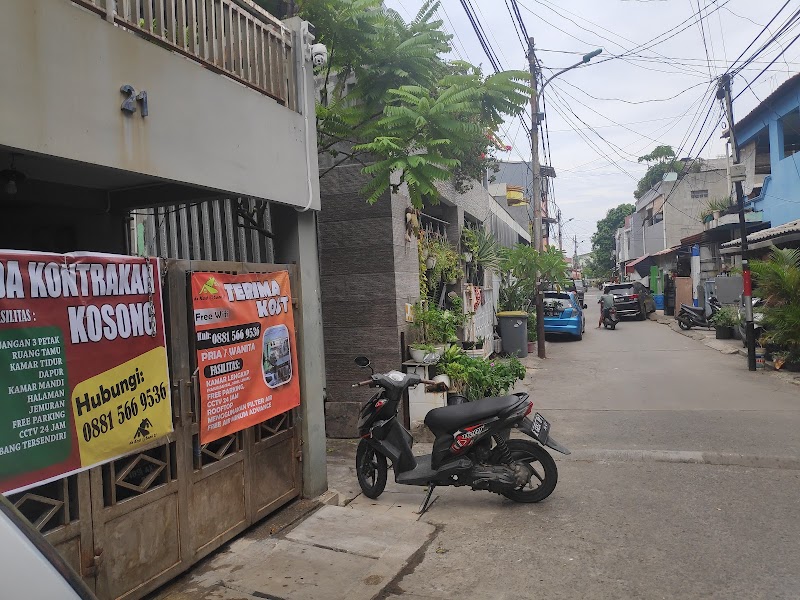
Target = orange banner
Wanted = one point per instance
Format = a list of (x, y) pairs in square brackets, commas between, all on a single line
[(246, 355)]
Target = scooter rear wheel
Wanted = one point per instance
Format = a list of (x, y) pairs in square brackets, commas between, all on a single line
[(544, 474), (684, 323), (371, 470)]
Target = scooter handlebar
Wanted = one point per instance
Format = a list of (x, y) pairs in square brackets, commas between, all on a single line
[(362, 383)]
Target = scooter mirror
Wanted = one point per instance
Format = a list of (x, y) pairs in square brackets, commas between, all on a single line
[(362, 361)]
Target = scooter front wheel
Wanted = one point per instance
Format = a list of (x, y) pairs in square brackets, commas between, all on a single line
[(684, 323), (371, 470)]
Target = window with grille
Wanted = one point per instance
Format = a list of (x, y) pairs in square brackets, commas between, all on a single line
[(699, 194)]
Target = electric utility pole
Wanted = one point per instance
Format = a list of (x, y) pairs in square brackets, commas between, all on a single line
[(575, 256), (536, 118), (560, 245), (537, 195), (724, 93)]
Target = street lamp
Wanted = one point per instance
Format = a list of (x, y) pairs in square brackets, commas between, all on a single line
[(537, 172), (586, 58)]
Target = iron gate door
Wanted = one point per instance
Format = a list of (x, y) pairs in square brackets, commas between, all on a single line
[(134, 523)]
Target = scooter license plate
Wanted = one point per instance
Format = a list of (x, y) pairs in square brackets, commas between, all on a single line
[(540, 428)]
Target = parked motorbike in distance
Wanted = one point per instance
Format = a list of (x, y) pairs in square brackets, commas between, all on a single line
[(695, 316), (472, 445), (610, 318)]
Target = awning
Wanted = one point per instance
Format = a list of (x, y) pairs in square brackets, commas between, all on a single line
[(781, 234), (667, 251), (641, 264)]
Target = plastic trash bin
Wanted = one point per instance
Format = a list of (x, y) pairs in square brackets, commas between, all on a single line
[(514, 331), (659, 298)]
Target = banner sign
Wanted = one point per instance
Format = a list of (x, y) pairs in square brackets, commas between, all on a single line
[(246, 354), (83, 362)]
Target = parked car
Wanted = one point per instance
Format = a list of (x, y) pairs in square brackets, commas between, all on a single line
[(30, 567), (564, 314), (631, 299)]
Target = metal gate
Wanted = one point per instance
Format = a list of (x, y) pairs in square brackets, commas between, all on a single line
[(136, 522)]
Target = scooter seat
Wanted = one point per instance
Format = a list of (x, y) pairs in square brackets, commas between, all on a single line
[(695, 309), (448, 419)]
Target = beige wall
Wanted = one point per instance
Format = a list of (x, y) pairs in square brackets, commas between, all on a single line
[(62, 67)]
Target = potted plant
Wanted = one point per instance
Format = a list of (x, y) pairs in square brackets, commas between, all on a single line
[(724, 321), (777, 280), (531, 333), (481, 252), (473, 378), (423, 353), (437, 327)]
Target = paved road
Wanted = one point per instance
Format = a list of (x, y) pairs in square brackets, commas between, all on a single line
[(631, 529)]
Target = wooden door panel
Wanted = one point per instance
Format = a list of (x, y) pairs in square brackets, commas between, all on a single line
[(140, 545), (217, 507)]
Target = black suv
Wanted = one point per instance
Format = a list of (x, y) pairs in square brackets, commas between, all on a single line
[(631, 299)]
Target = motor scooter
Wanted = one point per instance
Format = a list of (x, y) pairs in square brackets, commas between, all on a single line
[(610, 318), (472, 447), (695, 316)]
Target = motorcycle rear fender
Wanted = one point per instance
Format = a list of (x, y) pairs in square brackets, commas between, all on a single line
[(394, 441), (526, 427)]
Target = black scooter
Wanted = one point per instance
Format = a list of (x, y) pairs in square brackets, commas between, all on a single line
[(695, 316), (610, 318), (472, 444)]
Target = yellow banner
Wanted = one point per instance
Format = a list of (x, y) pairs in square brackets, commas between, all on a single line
[(123, 408)]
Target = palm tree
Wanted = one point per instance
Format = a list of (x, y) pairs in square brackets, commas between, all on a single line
[(778, 283)]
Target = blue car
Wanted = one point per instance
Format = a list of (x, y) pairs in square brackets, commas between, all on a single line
[(563, 314)]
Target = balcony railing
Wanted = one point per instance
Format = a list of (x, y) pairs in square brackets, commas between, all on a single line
[(235, 38)]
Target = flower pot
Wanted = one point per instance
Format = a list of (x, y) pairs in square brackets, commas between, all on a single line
[(430, 262), (716, 214), (468, 257), (453, 399), (531, 347), (723, 332)]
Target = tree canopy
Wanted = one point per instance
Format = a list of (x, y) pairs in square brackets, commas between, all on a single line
[(602, 261), (390, 101), (660, 161)]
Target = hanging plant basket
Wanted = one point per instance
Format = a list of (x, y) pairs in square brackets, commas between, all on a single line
[(468, 257), (430, 262)]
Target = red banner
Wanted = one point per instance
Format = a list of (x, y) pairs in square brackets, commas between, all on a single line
[(246, 355), (83, 362)]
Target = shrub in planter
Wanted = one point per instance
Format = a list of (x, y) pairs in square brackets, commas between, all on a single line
[(778, 282), (438, 326), (476, 377), (724, 320), (421, 352)]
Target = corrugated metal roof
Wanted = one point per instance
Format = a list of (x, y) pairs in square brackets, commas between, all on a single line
[(667, 251), (766, 234)]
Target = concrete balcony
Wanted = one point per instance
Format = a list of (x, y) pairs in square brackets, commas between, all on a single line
[(201, 93)]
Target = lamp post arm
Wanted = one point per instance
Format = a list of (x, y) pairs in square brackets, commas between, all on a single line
[(586, 58)]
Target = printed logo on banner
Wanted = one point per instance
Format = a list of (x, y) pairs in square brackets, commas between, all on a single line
[(82, 361), (246, 353)]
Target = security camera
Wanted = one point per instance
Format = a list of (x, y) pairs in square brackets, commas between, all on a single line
[(319, 55)]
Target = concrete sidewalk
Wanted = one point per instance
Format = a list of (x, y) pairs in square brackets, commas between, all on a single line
[(708, 338), (328, 553)]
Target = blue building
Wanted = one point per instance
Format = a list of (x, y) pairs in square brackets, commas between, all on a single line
[(769, 141)]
